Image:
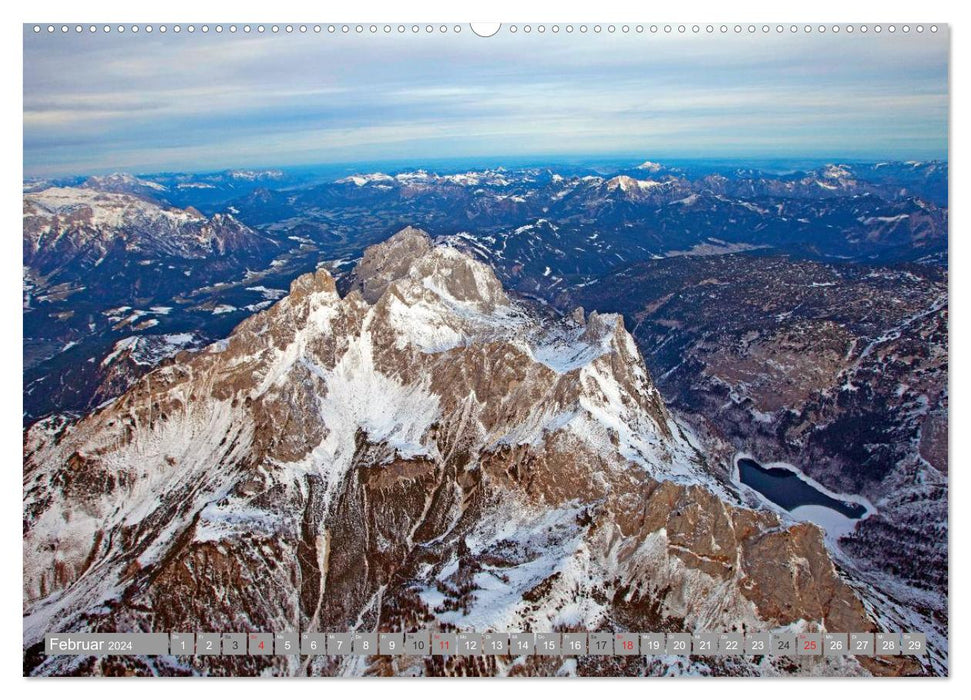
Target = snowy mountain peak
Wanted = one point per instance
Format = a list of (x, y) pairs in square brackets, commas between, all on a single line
[(494, 468), (363, 179), (410, 259), (456, 278), (319, 282), (836, 172), (385, 262), (252, 175)]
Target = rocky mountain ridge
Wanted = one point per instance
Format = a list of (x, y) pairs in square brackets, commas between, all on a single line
[(63, 226), (421, 452)]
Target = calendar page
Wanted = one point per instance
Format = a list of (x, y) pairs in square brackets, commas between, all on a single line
[(485, 350)]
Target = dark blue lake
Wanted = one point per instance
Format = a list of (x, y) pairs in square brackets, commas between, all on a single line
[(785, 489)]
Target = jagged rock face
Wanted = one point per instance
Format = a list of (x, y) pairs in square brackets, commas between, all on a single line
[(422, 452), (384, 264)]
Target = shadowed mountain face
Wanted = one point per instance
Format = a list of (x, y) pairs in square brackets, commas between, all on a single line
[(421, 452)]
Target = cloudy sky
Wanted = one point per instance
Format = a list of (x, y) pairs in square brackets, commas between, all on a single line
[(194, 102)]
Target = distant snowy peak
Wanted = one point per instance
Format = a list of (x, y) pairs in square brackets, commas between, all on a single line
[(626, 185), (361, 180), (836, 172), (650, 166), (254, 175)]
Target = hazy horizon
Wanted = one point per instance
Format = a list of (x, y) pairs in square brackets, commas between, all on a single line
[(96, 103), (593, 162)]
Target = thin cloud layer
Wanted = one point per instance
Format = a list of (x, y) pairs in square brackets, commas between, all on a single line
[(210, 101)]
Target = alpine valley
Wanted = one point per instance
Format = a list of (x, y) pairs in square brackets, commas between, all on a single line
[(486, 399)]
